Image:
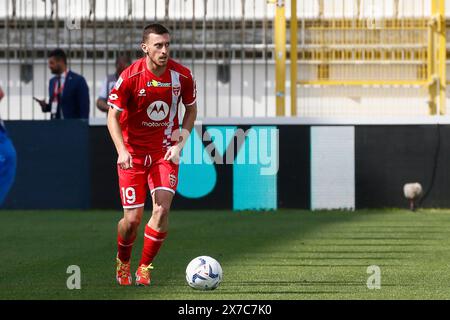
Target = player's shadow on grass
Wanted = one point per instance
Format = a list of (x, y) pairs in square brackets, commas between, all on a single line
[(239, 241)]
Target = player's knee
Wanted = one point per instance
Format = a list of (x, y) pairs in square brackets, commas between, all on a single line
[(160, 211), (132, 221)]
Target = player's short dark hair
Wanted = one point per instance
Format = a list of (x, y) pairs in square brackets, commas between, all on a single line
[(58, 54), (153, 28)]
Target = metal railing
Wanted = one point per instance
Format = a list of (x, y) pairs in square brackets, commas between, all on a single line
[(227, 45), (332, 58), (363, 47)]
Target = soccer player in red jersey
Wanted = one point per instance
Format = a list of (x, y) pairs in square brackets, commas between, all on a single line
[(144, 126)]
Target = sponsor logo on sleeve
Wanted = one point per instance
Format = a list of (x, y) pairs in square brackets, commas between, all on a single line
[(113, 97), (118, 83), (194, 93)]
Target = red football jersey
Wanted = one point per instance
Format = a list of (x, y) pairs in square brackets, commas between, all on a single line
[(149, 104)]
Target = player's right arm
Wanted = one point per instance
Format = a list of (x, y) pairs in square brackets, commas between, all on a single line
[(118, 100), (124, 159)]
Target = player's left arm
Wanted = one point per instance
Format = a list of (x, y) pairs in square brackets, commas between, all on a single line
[(173, 153), (188, 123), (188, 95)]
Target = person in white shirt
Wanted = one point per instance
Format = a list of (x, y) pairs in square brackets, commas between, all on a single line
[(122, 62)]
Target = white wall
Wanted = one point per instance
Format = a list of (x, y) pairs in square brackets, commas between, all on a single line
[(332, 168)]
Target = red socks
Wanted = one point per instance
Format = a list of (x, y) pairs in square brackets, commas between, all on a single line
[(124, 248), (152, 242)]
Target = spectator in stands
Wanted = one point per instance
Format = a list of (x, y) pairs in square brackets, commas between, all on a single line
[(8, 160), (68, 91), (122, 62)]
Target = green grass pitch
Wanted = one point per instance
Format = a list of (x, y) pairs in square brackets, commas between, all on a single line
[(287, 254)]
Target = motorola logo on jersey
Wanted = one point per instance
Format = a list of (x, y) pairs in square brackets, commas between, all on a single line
[(158, 110)]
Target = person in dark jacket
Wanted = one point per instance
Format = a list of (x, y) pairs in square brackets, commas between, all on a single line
[(68, 91)]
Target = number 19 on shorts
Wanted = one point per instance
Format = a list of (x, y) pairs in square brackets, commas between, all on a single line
[(129, 195)]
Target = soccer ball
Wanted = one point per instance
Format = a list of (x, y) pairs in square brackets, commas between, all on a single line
[(204, 273)]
